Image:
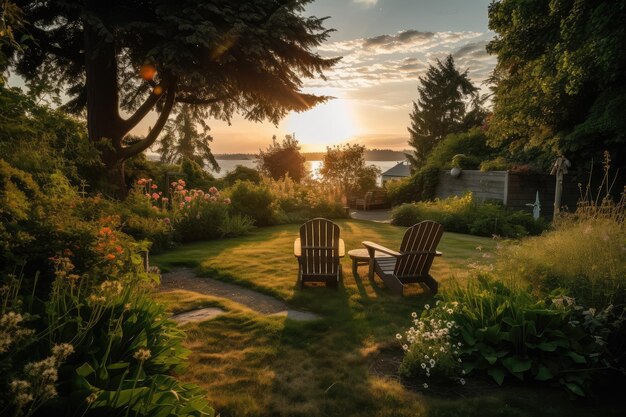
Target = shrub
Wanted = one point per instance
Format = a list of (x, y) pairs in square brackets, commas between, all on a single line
[(242, 173), (419, 186), (463, 215), (472, 145), (254, 201), (508, 331)]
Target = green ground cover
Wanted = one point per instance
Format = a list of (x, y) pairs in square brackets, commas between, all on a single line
[(344, 364)]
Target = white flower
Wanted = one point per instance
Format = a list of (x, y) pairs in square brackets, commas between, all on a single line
[(423, 365), (405, 347), (427, 307), (437, 303), (460, 360), (463, 372), (449, 311), (432, 363), (398, 336), (462, 381), (414, 314), (425, 385)]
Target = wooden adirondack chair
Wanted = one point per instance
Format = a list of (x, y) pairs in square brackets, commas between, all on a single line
[(412, 263), (318, 250)]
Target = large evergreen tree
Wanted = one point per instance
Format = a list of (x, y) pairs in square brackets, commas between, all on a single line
[(441, 109), (132, 56), (559, 80)]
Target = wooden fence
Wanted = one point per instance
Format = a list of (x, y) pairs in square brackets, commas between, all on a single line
[(512, 189)]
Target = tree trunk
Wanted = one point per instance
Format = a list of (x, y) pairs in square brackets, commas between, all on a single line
[(104, 124)]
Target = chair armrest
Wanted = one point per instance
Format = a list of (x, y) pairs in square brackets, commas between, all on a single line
[(342, 248), (437, 253), (375, 247), (421, 252), (297, 248)]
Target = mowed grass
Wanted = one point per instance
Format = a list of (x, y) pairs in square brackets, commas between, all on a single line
[(343, 364)]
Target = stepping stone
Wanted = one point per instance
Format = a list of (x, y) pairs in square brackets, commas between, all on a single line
[(201, 314)]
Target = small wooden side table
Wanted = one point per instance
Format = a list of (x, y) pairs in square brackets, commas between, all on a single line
[(362, 257)]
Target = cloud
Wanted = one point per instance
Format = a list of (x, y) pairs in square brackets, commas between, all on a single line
[(366, 3), (406, 41)]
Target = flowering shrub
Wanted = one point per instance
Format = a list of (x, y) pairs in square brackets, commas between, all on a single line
[(188, 214), (431, 345)]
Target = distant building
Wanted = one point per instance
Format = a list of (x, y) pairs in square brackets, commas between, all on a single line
[(401, 170)]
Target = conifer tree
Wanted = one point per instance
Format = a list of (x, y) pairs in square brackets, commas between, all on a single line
[(444, 93)]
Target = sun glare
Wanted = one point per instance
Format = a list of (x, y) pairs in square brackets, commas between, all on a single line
[(327, 124)]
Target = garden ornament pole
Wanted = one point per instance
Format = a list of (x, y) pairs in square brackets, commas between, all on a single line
[(559, 168)]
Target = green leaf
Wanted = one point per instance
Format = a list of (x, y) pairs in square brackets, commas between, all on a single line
[(497, 374), (575, 388), (547, 346), (84, 370), (515, 364), (544, 373), (577, 358)]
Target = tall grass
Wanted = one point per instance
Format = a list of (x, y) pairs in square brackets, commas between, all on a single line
[(585, 253)]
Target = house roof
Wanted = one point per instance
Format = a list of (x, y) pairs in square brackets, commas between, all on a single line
[(402, 169)]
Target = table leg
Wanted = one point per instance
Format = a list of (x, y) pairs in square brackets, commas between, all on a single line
[(355, 265)]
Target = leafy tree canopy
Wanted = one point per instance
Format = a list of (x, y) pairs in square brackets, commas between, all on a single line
[(344, 166), (559, 80), (282, 159), (130, 56), (442, 108)]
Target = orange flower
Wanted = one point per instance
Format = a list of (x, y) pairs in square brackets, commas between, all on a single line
[(119, 249), (110, 257)]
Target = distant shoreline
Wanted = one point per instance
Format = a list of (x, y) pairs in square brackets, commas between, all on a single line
[(370, 155)]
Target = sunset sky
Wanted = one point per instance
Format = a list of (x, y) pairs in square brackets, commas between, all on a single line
[(386, 45)]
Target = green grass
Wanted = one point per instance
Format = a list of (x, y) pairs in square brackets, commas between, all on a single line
[(343, 364)]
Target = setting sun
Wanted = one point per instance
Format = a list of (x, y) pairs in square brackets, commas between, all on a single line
[(327, 124)]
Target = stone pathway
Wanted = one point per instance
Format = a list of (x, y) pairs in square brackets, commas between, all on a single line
[(378, 216), (186, 279)]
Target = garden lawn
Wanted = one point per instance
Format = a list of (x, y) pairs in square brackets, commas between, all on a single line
[(343, 364)]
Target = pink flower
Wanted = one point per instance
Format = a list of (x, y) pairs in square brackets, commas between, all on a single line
[(155, 196), (166, 220), (165, 199), (174, 184), (148, 195), (184, 192), (181, 182), (227, 201), (141, 181), (188, 199), (213, 198), (206, 197), (154, 186), (180, 188), (213, 190), (182, 204), (155, 207)]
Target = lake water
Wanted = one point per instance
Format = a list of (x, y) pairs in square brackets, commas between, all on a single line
[(227, 165)]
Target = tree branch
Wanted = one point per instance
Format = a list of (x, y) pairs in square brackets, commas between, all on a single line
[(199, 101), (141, 112), (145, 143)]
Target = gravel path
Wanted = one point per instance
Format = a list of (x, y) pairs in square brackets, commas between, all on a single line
[(378, 216), (186, 279)]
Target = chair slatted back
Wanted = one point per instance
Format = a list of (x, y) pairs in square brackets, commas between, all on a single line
[(422, 237), (320, 247)]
